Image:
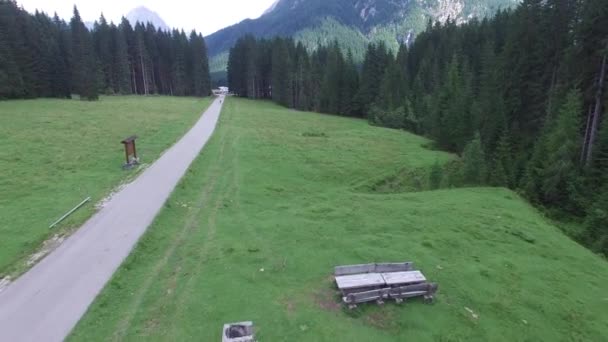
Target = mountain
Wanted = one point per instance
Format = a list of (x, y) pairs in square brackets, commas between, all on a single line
[(144, 15), (354, 23)]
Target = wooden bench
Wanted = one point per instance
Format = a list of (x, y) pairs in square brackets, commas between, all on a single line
[(380, 281), (423, 289)]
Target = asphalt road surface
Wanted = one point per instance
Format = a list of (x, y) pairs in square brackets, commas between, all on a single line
[(45, 303)]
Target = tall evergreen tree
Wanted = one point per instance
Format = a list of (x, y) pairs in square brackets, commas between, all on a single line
[(84, 70), (281, 73), (121, 72), (103, 48), (560, 183), (376, 60), (454, 109), (11, 80), (502, 172), (350, 86), (474, 168), (62, 60), (333, 80)]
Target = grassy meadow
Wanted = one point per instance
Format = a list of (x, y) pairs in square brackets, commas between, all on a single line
[(279, 197), (54, 153)]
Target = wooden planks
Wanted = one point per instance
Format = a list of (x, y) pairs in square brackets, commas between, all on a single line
[(362, 280), (373, 268), (398, 278), (355, 281)]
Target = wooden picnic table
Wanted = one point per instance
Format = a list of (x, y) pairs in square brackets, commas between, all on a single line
[(366, 280)]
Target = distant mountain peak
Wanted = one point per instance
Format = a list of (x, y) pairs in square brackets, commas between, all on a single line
[(272, 7), (145, 15)]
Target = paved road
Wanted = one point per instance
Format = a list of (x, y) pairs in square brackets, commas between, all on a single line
[(46, 302)]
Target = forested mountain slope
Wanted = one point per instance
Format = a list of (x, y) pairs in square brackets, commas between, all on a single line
[(353, 23)]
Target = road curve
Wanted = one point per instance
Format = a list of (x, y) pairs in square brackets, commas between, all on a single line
[(46, 302)]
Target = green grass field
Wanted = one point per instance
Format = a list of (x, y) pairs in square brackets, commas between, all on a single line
[(274, 202), (55, 153)]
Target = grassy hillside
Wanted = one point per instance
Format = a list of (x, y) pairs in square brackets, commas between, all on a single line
[(55, 153), (275, 201)]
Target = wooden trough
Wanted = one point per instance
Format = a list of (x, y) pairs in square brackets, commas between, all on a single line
[(381, 281)]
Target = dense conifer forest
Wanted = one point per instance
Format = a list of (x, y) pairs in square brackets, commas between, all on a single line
[(521, 97), (42, 56)]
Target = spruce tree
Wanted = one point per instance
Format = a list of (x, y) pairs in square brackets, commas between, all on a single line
[(454, 110), (302, 78), (474, 163), (490, 110), (596, 222), (121, 71), (350, 86), (179, 45), (25, 41), (204, 67), (200, 67), (61, 69), (502, 173), (560, 183), (103, 48), (282, 86), (142, 61), (599, 166), (11, 82), (84, 69), (333, 80), (127, 30), (376, 60)]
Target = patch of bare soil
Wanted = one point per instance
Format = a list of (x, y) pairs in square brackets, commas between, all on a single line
[(327, 299), (173, 281), (4, 282), (47, 247), (289, 305), (381, 319), (101, 204), (150, 326)]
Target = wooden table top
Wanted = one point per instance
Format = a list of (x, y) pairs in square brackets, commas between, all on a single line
[(354, 281), (409, 277)]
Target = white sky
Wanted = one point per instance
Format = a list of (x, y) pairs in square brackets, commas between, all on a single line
[(206, 16)]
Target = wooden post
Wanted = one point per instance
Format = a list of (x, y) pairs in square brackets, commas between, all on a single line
[(130, 152)]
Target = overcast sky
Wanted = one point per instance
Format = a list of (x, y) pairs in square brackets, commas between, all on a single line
[(206, 16)]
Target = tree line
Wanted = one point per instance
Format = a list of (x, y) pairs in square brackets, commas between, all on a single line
[(521, 97), (42, 56)]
